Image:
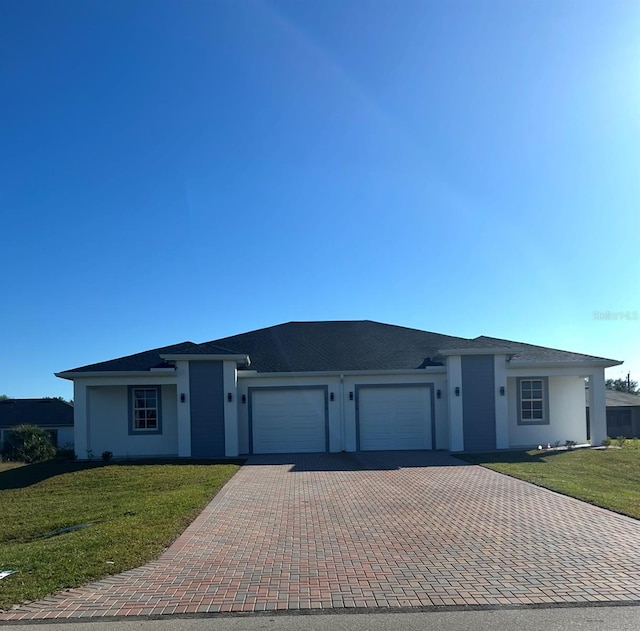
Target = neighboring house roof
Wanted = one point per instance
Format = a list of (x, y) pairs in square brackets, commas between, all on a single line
[(337, 346), (43, 412), (616, 399)]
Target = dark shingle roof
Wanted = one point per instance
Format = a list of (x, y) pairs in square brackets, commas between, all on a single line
[(44, 412), (365, 345), (151, 359), (541, 354), (335, 346)]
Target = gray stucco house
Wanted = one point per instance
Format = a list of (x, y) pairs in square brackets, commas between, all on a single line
[(623, 413)]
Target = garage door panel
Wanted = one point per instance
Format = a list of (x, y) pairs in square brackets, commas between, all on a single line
[(394, 418), (289, 420)]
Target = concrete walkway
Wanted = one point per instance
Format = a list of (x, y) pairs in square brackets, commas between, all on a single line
[(409, 529)]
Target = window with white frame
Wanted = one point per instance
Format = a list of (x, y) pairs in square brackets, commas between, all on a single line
[(145, 409), (532, 402)]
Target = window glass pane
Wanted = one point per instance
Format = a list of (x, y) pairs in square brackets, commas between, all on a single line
[(532, 400), (145, 408)]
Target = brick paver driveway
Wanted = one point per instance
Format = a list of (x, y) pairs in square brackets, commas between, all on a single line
[(373, 530)]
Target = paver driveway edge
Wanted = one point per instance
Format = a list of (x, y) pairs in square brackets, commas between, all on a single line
[(384, 531), (609, 511)]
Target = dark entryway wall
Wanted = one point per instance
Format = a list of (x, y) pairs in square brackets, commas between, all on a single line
[(207, 409), (478, 402)]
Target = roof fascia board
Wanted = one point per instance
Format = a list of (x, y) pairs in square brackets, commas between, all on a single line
[(163, 373), (534, 370), (241, 359), (490, 350), (596, 363), (346, 373)]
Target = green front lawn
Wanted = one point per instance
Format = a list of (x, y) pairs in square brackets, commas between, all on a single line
[(606, 477), (134, 511)]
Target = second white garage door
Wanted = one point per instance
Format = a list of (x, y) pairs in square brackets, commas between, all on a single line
[(394, 417), (289, 420)]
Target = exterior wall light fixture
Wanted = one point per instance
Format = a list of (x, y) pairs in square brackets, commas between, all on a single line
[(229, 397), (244, 398), (438, 394), (183, 397), (501, 391), (457, 391)]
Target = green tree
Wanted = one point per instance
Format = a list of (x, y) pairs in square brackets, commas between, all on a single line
[(28, 443), (4, 397), (58, 399), (622, 385)]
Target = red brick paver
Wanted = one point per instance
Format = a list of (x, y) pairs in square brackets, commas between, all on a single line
[(372, 530)]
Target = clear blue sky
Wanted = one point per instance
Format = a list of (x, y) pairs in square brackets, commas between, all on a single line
[(184, 169)]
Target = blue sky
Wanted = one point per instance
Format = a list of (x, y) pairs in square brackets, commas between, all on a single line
[(176, 170)]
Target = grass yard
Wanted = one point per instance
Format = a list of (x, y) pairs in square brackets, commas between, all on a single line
[(136, 509), (606, 477)]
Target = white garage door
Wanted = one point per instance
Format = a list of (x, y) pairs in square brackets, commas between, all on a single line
[(394, 417), (288, 420)]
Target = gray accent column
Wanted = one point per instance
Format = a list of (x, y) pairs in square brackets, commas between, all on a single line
[(206, 398), (478, 402)]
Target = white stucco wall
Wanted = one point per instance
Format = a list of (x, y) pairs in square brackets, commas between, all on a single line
[(184, 409), (567, 414), (456, 429), (441, 406), (501, 403), (109, 425), (231, 429)]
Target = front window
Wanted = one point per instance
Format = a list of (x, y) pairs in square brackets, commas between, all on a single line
[(145, 409), (533, 401)]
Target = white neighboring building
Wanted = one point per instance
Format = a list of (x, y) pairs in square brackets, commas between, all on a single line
[(53, 415)]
